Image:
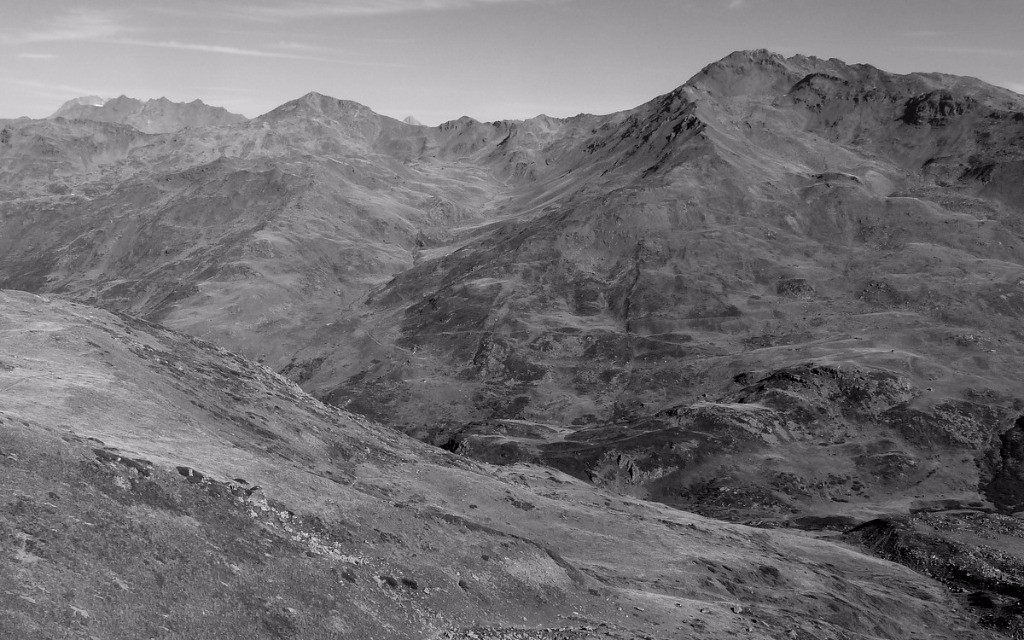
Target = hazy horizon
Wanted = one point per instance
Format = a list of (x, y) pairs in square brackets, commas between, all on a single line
[(437, 60)]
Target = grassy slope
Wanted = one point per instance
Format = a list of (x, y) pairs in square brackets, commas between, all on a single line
[(355, 531)]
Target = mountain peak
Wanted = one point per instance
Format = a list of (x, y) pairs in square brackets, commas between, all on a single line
[(348, 119), (749, 72), (458, 123), (750, 59), (314, 103), (760, 72), (90, 101), (755, 56), (123, 102), (329, 103)]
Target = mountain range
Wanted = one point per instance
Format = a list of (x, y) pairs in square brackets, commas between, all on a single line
[(152, 116), (786, 294)]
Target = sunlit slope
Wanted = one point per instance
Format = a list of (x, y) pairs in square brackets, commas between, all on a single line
[(158, 485)]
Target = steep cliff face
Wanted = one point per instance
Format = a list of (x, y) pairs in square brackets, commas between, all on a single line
[(1003, 470)]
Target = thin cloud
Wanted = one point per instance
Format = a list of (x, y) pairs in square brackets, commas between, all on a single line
[(76, 25), (737, 4), (976, 51), (300, 46), (253, 53), (37, 56), (200, 89), (922, 34), (339, 56), (53, 89), (357, 8), (209, 48)]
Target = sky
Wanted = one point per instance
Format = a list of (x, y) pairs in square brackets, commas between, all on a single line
[(438, 60)]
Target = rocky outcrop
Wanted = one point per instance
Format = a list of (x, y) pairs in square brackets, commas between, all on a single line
[(947, 547), (1003, 470), (936, 108)]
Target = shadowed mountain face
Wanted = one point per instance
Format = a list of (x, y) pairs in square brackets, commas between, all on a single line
[(790, 288)]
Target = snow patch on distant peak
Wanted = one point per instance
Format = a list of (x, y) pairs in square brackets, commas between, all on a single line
[(89, 101)]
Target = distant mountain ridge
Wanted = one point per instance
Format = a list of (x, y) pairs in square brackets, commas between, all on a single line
[(74, 103), (158, 115)]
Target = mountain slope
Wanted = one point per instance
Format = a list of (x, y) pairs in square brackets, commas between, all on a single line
[(156, 484), (775, 234), (763, 250)]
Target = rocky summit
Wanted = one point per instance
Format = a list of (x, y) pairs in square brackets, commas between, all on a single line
[(717, 364)]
